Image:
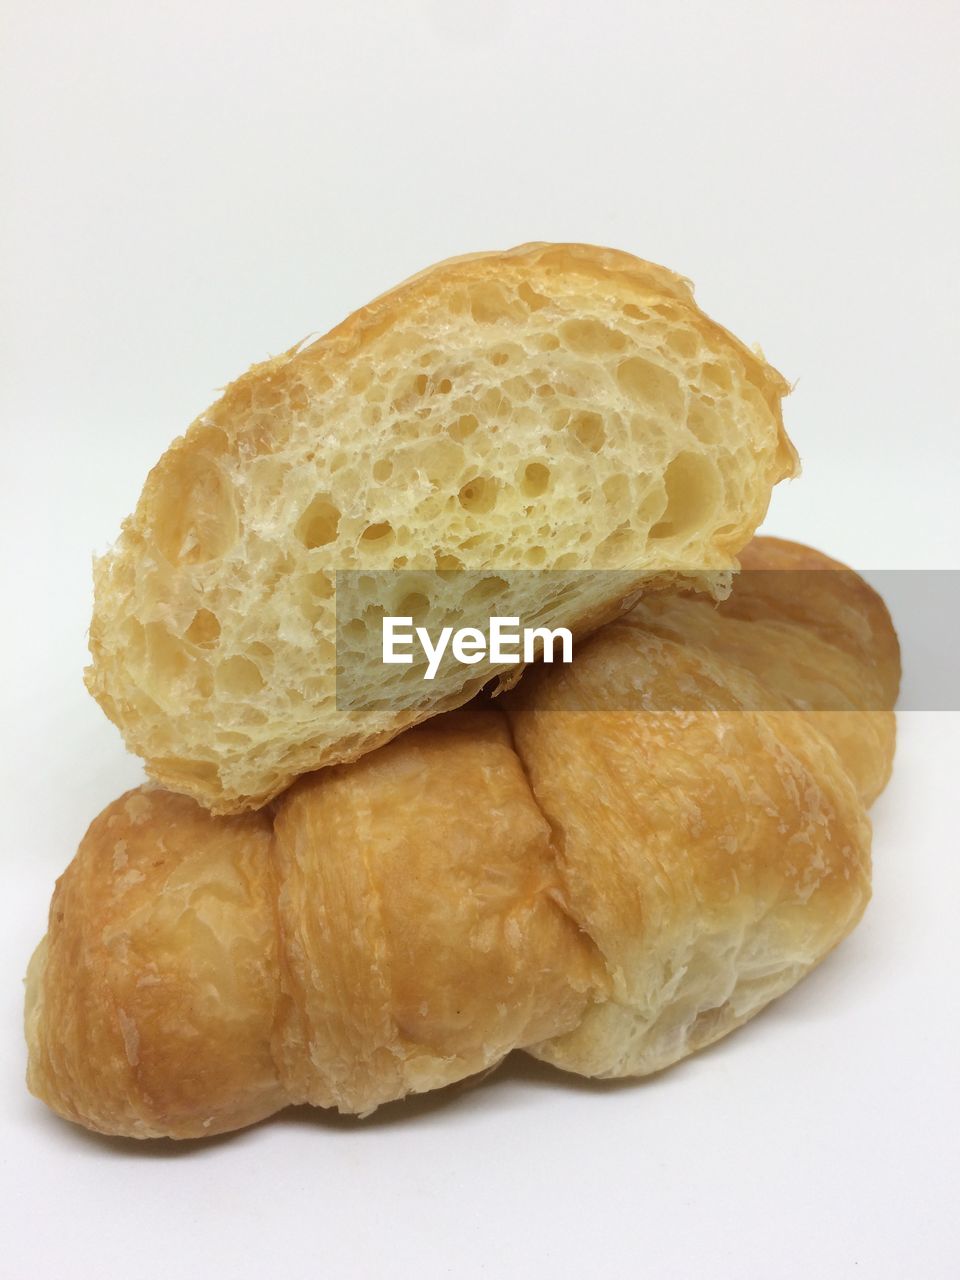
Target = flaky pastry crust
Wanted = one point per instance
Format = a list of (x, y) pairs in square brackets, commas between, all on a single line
[(611, 866)]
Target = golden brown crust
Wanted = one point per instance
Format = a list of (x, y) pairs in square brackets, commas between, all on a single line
[(717, 817), (152, 999), (609, 886), (420, 911), (551, 406)]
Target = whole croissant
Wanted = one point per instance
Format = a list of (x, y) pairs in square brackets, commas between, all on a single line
[(613, 865)]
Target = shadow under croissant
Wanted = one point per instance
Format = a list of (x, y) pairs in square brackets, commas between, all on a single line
[(518, 1069)]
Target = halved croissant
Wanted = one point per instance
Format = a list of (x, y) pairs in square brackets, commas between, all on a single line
[(606, 886), (558, 407)]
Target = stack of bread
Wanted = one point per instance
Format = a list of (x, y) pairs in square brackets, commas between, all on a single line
[(347, 883)]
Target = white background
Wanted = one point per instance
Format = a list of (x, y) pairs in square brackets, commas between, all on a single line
[(188, 187)]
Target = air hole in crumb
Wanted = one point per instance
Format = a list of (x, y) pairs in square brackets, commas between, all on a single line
[(729, 536), (650, 383), (319, 523), (490, 303), (319, 585), (494, 401), (479, 495), (704, 421), (717, 376), (379, 533), (354, 632), (464, 426), (484, 590), (536, 478), (176, 770), (382, 469), (448, 564), (590, 337), (651, 506), (204, 630), (693, 489), (588, 429), (517, 388), (413, 605), (239, 676), (530, 297)]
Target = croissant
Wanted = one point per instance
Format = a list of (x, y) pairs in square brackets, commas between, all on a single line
[(555, 407), (612, 865)]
